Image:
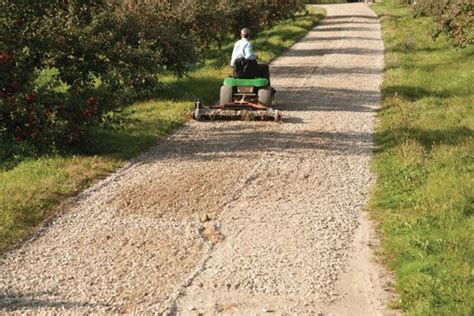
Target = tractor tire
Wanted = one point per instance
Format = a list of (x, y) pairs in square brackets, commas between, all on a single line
[(265, 96), (225, 95)]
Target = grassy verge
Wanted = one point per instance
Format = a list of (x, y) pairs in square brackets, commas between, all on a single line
[(32, 189), (424, 195)]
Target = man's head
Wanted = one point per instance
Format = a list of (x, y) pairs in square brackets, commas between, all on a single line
[(245, 33)]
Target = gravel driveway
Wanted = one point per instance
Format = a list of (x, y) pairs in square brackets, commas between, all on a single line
[(232, 217)]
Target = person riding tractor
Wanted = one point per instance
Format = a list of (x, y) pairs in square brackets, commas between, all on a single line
[(244, 61), (248, 94)]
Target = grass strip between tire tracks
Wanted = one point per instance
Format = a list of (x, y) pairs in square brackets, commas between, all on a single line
[(423, 200), (31, 191)]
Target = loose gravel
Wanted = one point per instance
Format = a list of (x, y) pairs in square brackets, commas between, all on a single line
[(232, 217)]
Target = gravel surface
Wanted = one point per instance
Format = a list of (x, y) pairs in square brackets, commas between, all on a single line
[(232, 217)]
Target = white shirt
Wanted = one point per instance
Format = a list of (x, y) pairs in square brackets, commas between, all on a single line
[(242, 48)]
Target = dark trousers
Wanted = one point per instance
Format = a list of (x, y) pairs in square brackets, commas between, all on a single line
[(264, 72), (251, 69)]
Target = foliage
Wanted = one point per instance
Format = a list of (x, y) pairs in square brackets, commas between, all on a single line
[(453, 17), (423, 199), (101, 55)]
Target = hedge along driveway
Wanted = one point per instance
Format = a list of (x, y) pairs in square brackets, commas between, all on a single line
[(32, 190)]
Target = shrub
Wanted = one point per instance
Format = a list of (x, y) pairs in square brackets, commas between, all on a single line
[(454, 18), (102, 54)]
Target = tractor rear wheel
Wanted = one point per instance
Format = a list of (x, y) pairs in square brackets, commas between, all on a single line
[(265, 96), (226, 95)]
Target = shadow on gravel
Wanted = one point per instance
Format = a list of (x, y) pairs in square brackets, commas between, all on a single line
[(347, 22), (16, 302), (340, 51), (246, 141), (345, 28), (338, 38), (336, 17), (303, 72), (327, 99)]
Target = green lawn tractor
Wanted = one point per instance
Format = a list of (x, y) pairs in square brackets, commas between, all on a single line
[(244, 99)]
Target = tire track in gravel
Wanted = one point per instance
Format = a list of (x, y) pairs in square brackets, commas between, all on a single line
[(231, 217)]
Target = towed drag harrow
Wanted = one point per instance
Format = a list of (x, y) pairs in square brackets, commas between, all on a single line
[(240, 99)]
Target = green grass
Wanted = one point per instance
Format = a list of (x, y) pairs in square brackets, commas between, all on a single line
[(424, 197), (32, 188)]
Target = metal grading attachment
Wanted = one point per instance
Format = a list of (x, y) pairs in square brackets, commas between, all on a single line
[(241, 99)]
